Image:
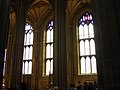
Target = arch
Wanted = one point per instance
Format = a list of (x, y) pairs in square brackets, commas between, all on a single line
[(34, 12)]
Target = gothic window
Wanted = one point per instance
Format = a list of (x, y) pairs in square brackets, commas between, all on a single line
[(4, 62), (87, 45), (49, 48), (28, 48), (3, 84)]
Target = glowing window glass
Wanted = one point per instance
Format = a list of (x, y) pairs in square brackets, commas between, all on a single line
[(87, 45), (49, 48), (28, 49)]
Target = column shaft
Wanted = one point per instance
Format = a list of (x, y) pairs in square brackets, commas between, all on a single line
[(36, 62), (70, 59), (16, 73), (9, 57), (60, 58), (107, 26)]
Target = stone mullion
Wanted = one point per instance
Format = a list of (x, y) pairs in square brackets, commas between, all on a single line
[(36, 50), (60, 58), (4, 14), (16, 71)]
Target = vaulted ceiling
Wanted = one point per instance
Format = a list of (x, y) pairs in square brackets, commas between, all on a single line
[(38, 9)]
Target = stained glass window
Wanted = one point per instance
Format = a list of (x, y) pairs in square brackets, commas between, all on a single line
[(49, 48), (28, 48), (3, 84), (87, 45)]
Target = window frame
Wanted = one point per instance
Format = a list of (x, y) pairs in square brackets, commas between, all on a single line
[(50, 26), (84, 39), (28, 45)]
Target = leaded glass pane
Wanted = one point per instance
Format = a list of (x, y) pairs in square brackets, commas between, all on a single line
[(92, 47), (51, 51), (27, 26), (82, 65), (88, 69), (31, 37), (85, 31), (26, 67), (30, 67), (51, 40), (48, 36), (27, 42), (87, 48), (24, 54), (30, 52), (52, 66), (82, 48), (94, 68), (25, 39), (23, 68), (27, 53), (91, 31), (47, 67), (48, 51), (81, 32)]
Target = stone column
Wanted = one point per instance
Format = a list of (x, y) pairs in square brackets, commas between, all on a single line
[(107, 34), (70, 54), (16, 71), (36, 54), (4, 22), (60, 58), (9, 55)]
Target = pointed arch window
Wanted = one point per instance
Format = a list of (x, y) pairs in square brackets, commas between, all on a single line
[(4, 61), (87, 45), (49, 48), (28, 48), (3, 83)]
